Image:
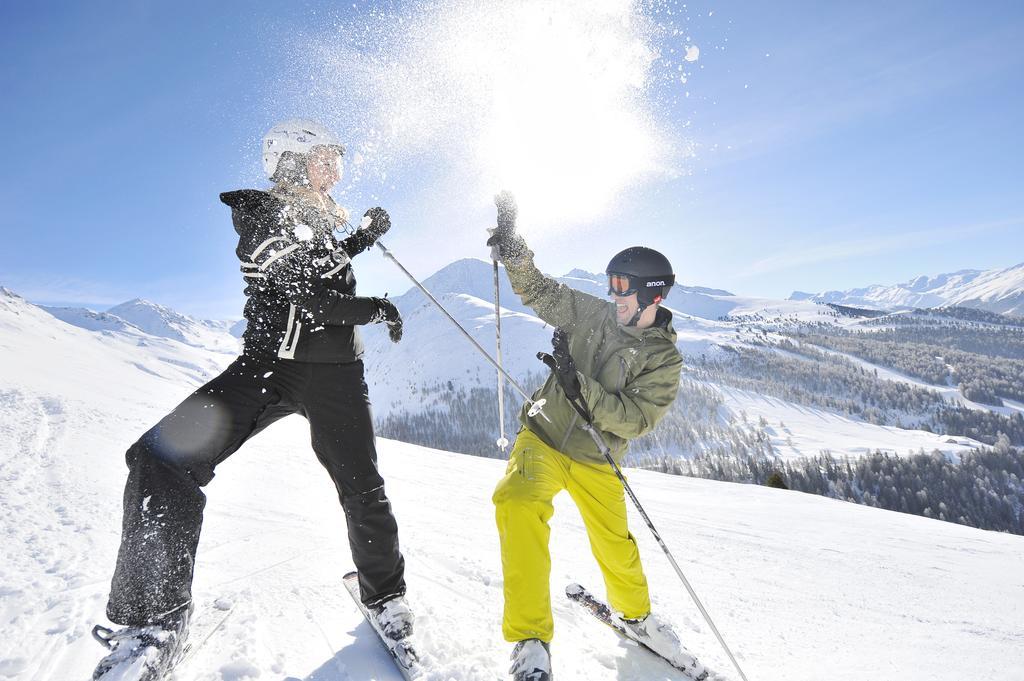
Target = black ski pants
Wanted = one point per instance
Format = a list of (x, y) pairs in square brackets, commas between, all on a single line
[(169, 465)]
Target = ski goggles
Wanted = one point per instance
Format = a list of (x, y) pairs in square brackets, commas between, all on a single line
[(621, 284)]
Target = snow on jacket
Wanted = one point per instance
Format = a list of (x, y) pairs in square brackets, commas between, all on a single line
[(298, 278), (629, 376)]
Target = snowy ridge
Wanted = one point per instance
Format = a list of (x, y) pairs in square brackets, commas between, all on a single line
[(1000, 291), (90, 320)]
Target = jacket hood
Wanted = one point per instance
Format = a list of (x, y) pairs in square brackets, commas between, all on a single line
[(246, 199)]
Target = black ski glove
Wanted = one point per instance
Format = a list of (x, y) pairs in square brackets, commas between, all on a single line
[(562, 364), (388, 313), (380, 223), (504, 237), (365, 237)]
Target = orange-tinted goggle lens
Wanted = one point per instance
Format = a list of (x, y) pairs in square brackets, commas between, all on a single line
[(619, 285)]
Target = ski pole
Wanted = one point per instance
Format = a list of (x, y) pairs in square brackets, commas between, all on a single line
[(536, 407), (502, 440), (584, 412)]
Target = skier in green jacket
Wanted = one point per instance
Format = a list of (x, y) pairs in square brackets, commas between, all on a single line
[(619, 357)]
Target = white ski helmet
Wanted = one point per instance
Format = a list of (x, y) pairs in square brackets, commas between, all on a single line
[(297, 135)]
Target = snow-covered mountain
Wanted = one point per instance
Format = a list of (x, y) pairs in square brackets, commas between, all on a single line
[(1000, 291), (437, 353), (43, 352), (164, 322), (158, 321), (803, 588), (437, 380), (429, 381)]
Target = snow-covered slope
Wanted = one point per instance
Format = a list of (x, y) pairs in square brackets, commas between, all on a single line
[(42, 352), (164, 322), (798, 431), (440, 354), (804, 588), (999, 291)]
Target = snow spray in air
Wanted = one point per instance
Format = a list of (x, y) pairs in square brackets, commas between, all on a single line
[(549, 99)]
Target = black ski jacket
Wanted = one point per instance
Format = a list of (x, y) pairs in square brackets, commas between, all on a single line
[(298, 278)]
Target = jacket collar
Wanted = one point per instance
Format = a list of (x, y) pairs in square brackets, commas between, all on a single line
[(662, 328)]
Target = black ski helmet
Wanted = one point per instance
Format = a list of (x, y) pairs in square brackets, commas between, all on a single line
[(649, 272)]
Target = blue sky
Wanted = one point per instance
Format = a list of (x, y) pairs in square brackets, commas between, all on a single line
[(835, 145)]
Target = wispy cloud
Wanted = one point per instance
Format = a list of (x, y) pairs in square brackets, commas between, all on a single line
[(789, 258), (175, 292), (64, 291)]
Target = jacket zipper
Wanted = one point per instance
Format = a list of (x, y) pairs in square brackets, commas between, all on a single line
[(287, 350)]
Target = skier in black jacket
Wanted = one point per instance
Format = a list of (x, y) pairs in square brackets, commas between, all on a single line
[(302, 355)]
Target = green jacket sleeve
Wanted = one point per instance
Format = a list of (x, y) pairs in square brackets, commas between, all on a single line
[(641, 403), (554, 302)]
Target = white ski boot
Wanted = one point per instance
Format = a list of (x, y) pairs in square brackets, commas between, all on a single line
[(531, 661), (659, 637), (393, 617), (146, 653)]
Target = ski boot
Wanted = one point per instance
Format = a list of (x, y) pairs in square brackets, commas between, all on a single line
[(531, 661), (144, 653), (660, 638), (394, 618)]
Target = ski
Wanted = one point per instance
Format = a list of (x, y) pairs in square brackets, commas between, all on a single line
[(401, 651), (141, 665), (600, 610), (192, 648)]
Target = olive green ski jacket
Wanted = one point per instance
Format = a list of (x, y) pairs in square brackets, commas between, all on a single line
[(629, 376)]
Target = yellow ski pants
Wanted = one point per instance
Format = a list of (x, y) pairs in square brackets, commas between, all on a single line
[(522, 500)]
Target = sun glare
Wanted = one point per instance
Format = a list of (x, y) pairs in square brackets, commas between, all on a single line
[(547, 100), (559, 115)]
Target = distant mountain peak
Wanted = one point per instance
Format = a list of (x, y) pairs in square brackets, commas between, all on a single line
[(996, 290), (577, 273), (143, 303), (159, 320)]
